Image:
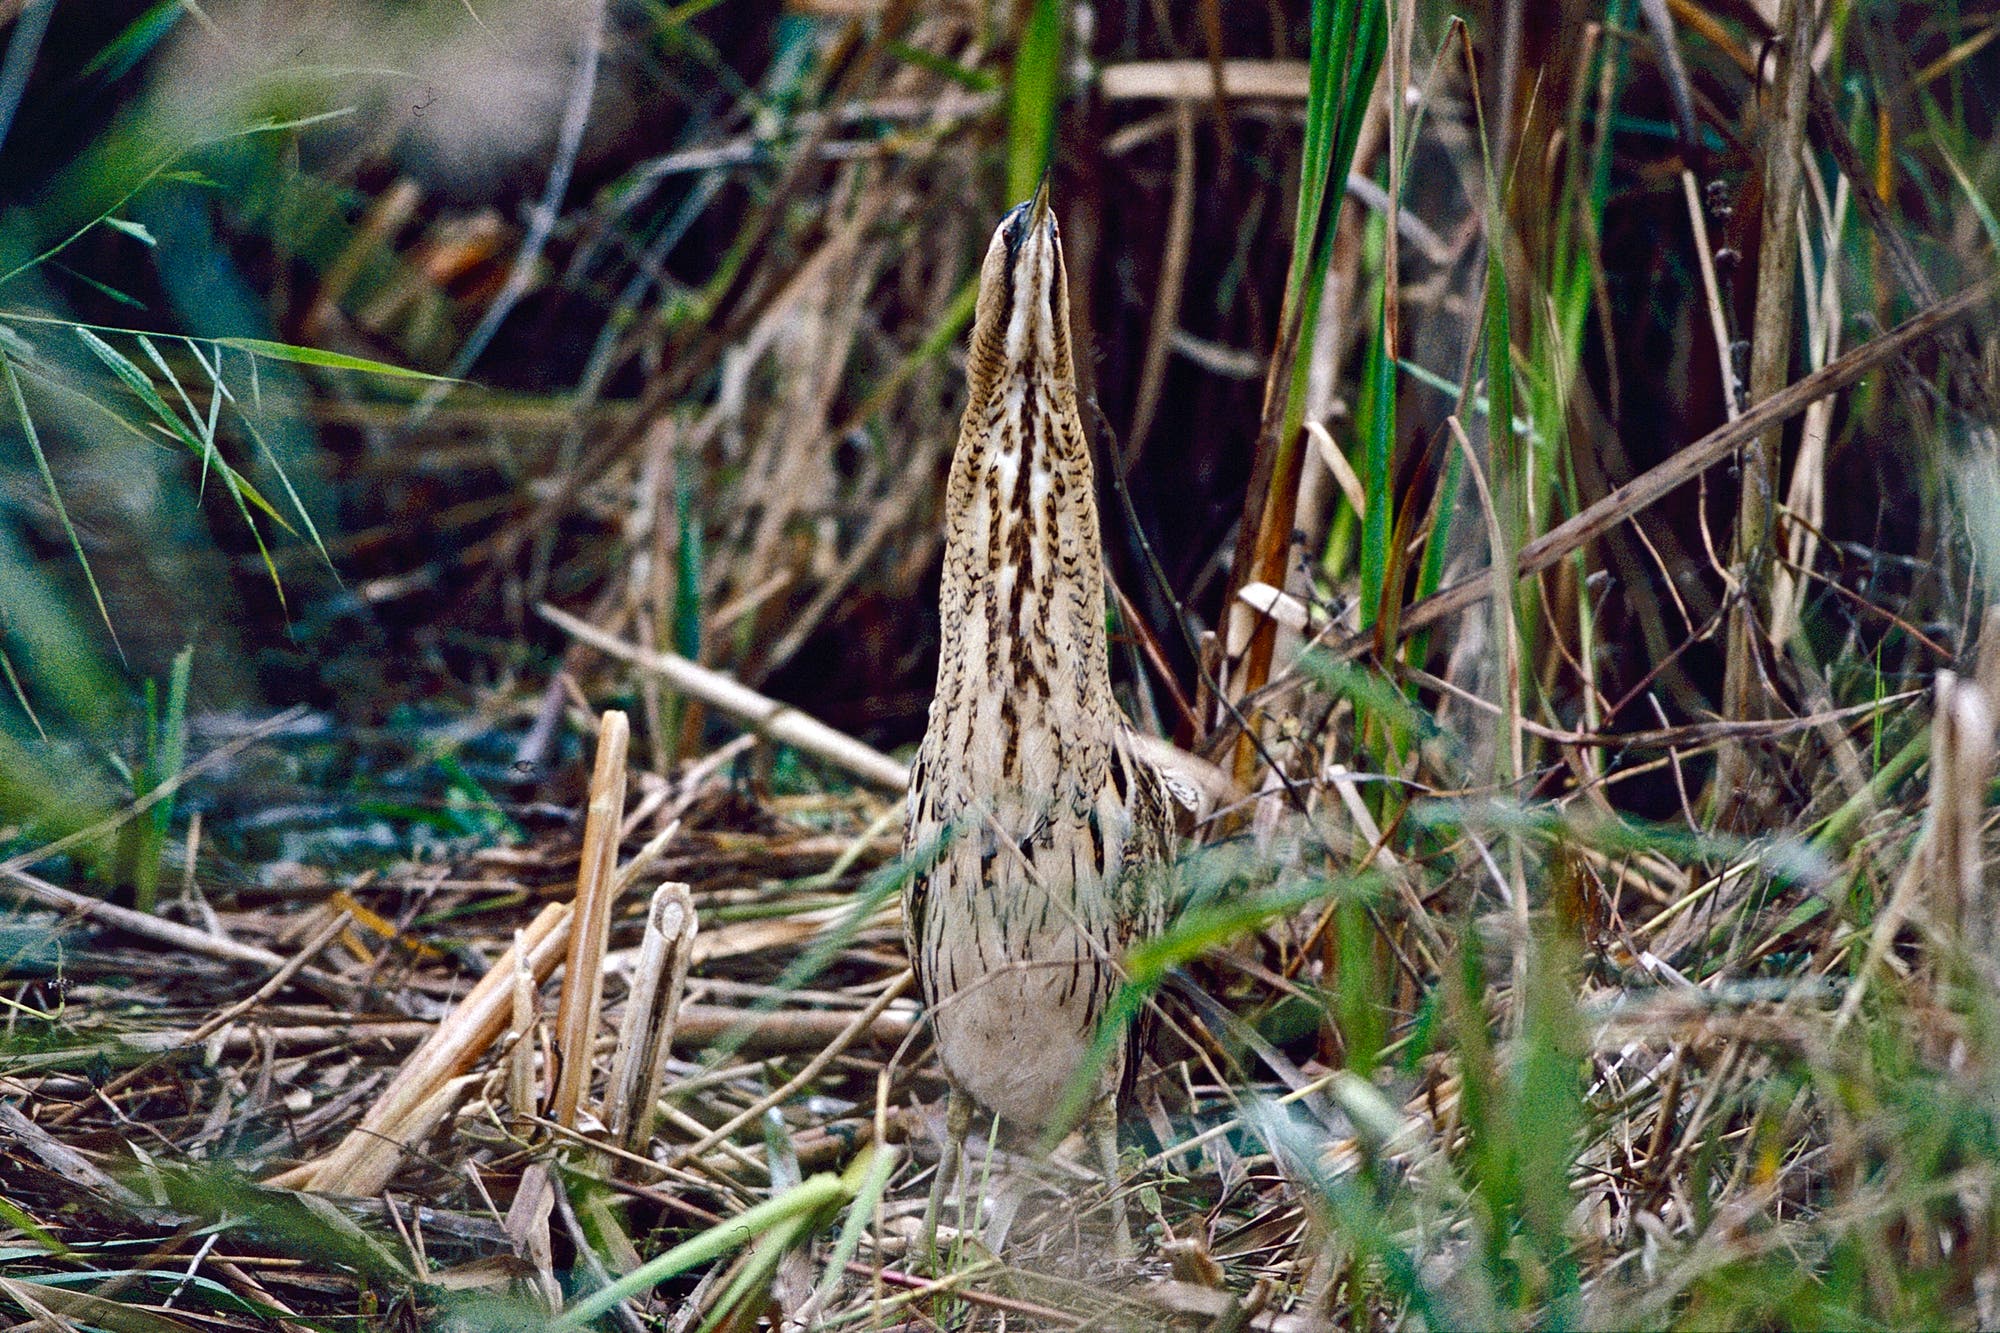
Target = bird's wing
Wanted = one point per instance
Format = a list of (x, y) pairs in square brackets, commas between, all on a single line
[(1149, 892), (1197, 786), (1185, 793), (1152, 797)]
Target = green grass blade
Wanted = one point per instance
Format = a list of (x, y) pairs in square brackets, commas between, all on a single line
[(1034, 97), (1549, 1116), (965, 76), (162, 168), (1329, 18), (1354, 1213), (122, 54), (134, 230), (687, 572), (218, 392), (20, 694), (1974, 200), (880, 1164), (1199, 929), (1509, 481), (1348, 40), (102, 288), (116, 206), (55, 498), (1430, 573), (1475, 404), (1359, 987), (135, 379), (173, 732), (1378, 479), (206, 436), (263, 446), (313, 356), (240, 490), (749, 1292), (166, 750), (805, 1198)]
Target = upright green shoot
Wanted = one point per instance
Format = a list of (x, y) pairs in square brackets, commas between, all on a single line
[(165, 754), (1347, 45), (1033, 98), (1378, 474)]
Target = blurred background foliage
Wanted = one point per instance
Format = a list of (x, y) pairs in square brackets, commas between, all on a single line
[(702, 269)]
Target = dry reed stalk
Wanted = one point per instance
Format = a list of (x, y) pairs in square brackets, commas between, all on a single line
[(1430, 943), (848, 1034), (1196, 81), (291, 1037), (387, 215), (321, 938), (775, 720), (788, 472), (1745, 692), (742, 298), (760, 935), (652, 1009), (1805, 496), (1946, 861), (241, 1281), (522, 1099), (79, 1170), (362, 1162), (1986, 670), (1711, 288), (527, 1226), (1646, 489), (1341, 315), (780, 1032), (172, 934), (1961, 766), (1167, 294), (643, 859), (590, 929)]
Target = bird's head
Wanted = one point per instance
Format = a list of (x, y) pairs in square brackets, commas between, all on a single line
[(1022, 317)]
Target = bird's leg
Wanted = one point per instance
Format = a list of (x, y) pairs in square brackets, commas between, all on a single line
[(957, 1124), (1104, 1131)]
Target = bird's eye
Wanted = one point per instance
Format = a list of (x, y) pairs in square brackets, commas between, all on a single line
[(1014, 227)]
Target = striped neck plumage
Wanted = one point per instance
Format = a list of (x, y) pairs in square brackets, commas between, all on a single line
[(1023, 602)]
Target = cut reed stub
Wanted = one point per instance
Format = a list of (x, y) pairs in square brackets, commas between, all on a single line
[(652, 1011), (1961, 766), (522, 1096), (364, 1161), (596, 890), (435, 1075)]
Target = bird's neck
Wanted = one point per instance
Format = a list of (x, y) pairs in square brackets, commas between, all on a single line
[(1024, 651)]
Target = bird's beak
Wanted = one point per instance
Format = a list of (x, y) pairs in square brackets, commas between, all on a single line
[(1038, 207)]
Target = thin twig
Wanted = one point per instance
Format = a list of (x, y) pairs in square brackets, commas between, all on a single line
[(780, 722)]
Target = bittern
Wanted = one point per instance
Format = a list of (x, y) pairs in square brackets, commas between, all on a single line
[(1047, 827)]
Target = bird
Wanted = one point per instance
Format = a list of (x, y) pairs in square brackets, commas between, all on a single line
[(1045, 831)]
